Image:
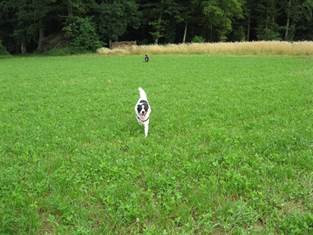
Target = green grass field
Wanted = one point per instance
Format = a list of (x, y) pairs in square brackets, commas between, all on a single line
[(230, 148)]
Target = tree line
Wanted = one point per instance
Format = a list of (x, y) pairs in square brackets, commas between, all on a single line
[(37, 25)]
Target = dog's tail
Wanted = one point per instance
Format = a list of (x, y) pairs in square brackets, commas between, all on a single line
[(142, 94)]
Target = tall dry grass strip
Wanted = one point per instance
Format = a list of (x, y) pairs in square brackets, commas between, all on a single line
[(237, 48)]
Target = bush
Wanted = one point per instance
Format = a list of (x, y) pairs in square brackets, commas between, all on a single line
[(197, 39), (239, 35), (82, 34), (59, 51), (3, 50), (268, 34)]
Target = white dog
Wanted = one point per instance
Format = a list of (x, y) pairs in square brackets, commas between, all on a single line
[(143, 110)]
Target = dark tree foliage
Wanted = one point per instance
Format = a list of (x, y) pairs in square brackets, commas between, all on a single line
[(28, 26), (82, 34), (3, 50), (114, 18)]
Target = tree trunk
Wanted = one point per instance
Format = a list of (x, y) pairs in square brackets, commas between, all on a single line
[(41, 37), (185, 32), (211, 33), (287, 28), (159, 29), (288, 20), (69, 8), (110, 44), (23, 48), (248, 27)]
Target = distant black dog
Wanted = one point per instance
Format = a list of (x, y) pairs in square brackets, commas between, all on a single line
[(147, 58)]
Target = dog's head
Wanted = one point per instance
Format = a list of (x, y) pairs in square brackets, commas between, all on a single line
[(142, 108)]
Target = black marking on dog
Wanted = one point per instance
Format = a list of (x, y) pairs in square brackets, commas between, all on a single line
[(145, 105), (141, 107)]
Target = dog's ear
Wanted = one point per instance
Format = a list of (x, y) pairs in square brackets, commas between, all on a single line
[(139, 108), (146, 106)]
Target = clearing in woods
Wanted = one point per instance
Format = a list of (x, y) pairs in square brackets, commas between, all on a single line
[(230, 148)]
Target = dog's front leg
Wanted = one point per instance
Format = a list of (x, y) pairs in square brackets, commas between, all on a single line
[(146, 125)]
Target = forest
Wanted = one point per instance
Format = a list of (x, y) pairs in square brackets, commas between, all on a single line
[(28, 26)]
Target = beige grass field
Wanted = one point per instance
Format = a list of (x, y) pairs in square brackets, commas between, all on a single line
[(238, 48)]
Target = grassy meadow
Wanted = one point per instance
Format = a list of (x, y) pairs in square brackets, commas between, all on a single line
[(230, 148)]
